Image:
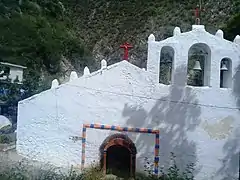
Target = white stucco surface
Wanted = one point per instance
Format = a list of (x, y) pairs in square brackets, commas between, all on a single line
[(199, 124)]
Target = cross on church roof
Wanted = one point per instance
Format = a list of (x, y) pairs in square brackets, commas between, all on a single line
[(126, 46), (197, 12)]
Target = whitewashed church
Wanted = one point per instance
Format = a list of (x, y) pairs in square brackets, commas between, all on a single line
[(186, 101)]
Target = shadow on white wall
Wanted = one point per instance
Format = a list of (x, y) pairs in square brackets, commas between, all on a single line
[(178, 118)]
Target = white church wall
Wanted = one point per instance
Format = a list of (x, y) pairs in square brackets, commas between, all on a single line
[(191, 131), (198, 124), (78, 99)]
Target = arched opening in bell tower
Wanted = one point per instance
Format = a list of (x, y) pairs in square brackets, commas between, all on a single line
[(226, 73), (166, 65), (199, 65)]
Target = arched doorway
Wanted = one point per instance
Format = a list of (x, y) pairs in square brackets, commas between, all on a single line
[(118, 156), (118, 161)]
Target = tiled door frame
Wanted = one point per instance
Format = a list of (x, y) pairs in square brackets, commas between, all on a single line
[(122, 129)]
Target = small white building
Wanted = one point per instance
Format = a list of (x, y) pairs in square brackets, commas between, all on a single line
[(14, 72), (77, 123)]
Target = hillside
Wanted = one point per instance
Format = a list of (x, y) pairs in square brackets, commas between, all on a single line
[(105, 24), (53, 37)]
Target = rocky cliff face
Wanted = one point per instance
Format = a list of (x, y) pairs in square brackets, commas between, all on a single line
[(105, 24)]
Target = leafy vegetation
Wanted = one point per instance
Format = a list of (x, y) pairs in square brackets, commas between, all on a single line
[(4, 139), (37, 34), (20, 171), (232, 28), (11, 93)]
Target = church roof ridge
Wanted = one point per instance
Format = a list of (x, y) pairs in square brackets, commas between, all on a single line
[(86, 74)]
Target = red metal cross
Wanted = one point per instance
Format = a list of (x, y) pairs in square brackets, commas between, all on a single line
[(197, 12), (126, 46)]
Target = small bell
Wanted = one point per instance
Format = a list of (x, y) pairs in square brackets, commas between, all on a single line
[(224, 67), (197, 66)]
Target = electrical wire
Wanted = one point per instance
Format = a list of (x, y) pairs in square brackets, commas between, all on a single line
[(157, 99)]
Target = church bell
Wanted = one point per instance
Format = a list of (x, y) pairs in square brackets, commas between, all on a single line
[(224, 67), (197, 66)]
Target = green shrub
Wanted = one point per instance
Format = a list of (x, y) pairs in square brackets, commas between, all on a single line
[(23, 171), (232, 27), (173, 172), (6, 129), (5, 139)]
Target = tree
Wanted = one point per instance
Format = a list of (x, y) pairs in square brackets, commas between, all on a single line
[(232, 27), (36, 32)]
